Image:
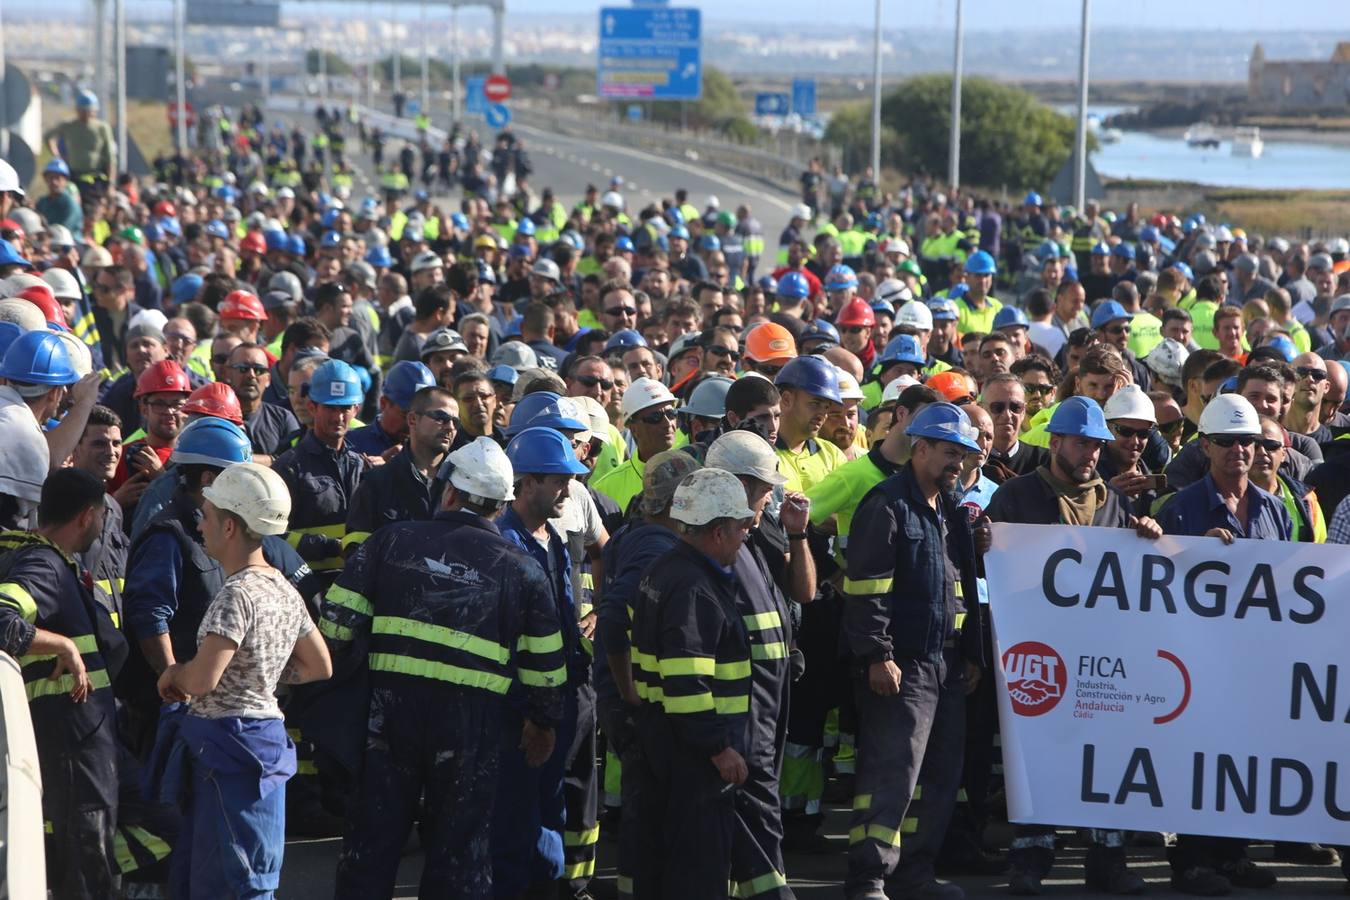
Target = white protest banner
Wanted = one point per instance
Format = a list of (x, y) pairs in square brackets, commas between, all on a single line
[(1173, 685)]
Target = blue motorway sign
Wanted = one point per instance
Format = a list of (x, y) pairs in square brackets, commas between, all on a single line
[(804, 96), (475, 101), (497, 115), (771, 104), (634, 112), (413, 107), (651, 53)]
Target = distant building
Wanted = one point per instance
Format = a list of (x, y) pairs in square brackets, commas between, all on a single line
[(1295, 84)]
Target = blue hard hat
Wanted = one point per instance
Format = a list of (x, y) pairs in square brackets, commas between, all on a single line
[(370, 204), (325, 200), (957, 291), (218, 229), (212, 441), (169, 225), (1071, 273), (767, 283), (819, 330), (1032, 199), (152, 232), (573, 240), (841, 277), (812, 374), (529, 406), (1184, 270), (679, 231), (1284, 345), (543, 451), (525, 227), (875, 222), (709, 242), (943, 309), (1229, 385), (518, 251), (86, 100), (1198, 218), (794, 286), (624, 340), (980, 263), (335, 384), (460, 221), (903, 348), (9, 333), (512, 329), (1148, 234), (486, 274), (58, 166), (421, 194), (880, 307), (379, 257), (674, 216), (185, 287), (545, 410), (38, 357), (503, 374), (329, 217), (275, 238), (1101, 248), (226, 192), (1108, 311), (295, 244), (330, 240), (1050, 250), (1010, 317), (10, 255), (1080, 417), (404, 380), (944, 422), (1123, 250), (624, 244)]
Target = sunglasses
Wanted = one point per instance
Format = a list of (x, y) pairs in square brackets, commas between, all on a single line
[(439, 416), (1315, 375), (1126, 432), (854, 329), (1118, 329), (1270, 445), (717, 350), (656, 418), (1172, 427), (621, 311), (999, 407), (593, 380), (1040, 390), (1229, 440), (250, 367)]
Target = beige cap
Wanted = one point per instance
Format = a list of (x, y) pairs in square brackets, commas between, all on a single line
[(22, 313), (662, 476), (745, 453), (708, 495), (594, 415), (80, 357)]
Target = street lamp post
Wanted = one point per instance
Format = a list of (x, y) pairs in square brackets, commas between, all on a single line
[(876, 96), (954, 166), (1080, 135), (180, 73)]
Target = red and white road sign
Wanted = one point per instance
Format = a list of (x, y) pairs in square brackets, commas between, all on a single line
[(497, 89), (173, 114)]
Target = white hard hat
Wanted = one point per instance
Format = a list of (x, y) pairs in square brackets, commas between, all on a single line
[(1223, 235), (1130, 403), (714, 202), (59, 236), (612, 198), (427, 260), (63, 284), (801, 211), (848, 386), (80, 359), (894, 291), (28, 220), (896, 386), (1167, 359), (895, 245), (9, 179), (22, 313), (150, 317), (255, 494), (707, 495), (482, 469), (916, 315), (96, 257), (643, 393), (595, 416), (1339, 247), (745, 453), (1230, 414)]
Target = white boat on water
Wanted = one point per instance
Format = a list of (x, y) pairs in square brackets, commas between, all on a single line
[(1247, 143), (1201, 134), (1110, 135)]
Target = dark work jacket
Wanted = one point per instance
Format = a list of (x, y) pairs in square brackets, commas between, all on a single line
[(1029, 500), (633, 547), (896, 600), (393, 492), (764, 611)]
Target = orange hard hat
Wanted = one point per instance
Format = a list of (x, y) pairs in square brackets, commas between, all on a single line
[(41, 296), (955, 387), (856, 312), (215, 399), (242, 305), (164, 377), (253, 242), (770, 341)]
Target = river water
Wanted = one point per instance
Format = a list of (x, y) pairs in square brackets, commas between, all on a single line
[(1284, 164)]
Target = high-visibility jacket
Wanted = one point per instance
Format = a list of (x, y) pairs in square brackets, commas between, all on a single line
[(807, 467), (623, 482), (969, 319)]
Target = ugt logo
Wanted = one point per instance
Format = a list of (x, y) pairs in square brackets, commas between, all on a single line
[(1036, 677)]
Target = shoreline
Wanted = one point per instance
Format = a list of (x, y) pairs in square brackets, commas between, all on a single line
[(1269, 134)]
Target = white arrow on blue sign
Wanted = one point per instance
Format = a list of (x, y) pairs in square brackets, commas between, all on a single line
[(497, 115), (772, 104)]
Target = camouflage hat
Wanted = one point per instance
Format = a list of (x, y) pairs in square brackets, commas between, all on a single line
[(662, 475)]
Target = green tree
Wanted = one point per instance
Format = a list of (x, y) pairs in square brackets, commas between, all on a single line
[(1008, 137), (336, 64), (850, 129), (720, 107)]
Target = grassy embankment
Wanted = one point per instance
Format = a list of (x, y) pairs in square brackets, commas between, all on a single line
[(147, 125)]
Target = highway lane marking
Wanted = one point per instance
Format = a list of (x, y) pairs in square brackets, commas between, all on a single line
[(674, 164)]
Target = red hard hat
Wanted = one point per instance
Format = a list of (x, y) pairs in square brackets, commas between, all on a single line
[(166, 209), (242, 305), (856, 312), (253, 242), (1160, 220), (13, 226), (42, 297), (164, 377), (215, 399)]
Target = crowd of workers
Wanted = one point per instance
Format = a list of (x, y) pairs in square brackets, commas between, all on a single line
[(523, 523)]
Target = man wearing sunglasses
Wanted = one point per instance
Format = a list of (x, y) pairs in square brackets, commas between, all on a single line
[(1131, 419), (267, 425), (1004, 398), (1112, 322), (649, 413), (721, 354), (1304, 415), (1226, 504), (618, 308)]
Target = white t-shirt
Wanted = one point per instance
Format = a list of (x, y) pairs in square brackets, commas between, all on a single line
[(1047, 336)]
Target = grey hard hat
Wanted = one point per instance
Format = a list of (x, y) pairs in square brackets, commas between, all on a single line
[(709, 399), (515, 354)]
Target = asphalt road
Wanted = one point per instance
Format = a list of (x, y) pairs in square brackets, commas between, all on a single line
[(308, 873)]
